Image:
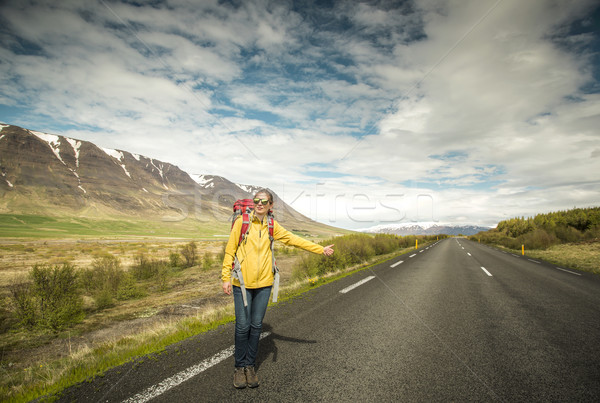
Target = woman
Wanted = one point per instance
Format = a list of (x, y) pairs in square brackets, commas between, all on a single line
[(255, 257)]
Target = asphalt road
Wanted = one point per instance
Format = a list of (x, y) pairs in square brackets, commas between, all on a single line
[(456, 321)]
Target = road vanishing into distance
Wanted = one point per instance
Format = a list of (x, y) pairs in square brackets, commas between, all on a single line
[(453, 321)]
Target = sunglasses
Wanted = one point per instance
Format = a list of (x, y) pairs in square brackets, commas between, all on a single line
[(263, 201)]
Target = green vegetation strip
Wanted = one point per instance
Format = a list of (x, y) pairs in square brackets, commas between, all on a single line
[(40, 227), (70, 371)]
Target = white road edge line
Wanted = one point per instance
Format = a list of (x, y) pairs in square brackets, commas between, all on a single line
[(568, 271), (468, 254), (177, 379), (397, 263), (486, 272), (534, 261), (353, 286), (413, 255)]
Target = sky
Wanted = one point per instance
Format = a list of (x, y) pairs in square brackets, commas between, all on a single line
[(355, 113)]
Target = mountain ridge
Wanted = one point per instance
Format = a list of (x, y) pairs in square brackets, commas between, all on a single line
[(50, 174), (425, 228)]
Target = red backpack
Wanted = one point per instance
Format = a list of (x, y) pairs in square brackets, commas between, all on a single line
[(244, 207)]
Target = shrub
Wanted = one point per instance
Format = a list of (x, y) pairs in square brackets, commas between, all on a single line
[(24, 304), (174, 259), (350, 250), (162, 277), (103, 280), (104, 299), (568, 234), (145, 268), (129, 288), (57, 294), (593, 232), (189, 253), (538, 239)]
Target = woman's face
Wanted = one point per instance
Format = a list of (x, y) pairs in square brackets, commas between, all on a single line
[(259, 207)]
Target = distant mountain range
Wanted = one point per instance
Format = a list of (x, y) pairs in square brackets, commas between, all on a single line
[(47, 174), (426, 228)]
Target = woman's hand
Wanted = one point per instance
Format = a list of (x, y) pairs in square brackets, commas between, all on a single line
[(328, 250), (227, 287)]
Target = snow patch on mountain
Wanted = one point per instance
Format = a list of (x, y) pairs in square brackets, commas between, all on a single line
[(248, 188), (76, 145), (7, 181), (425, 228), (118, 155), (53, 141), (202, 180)]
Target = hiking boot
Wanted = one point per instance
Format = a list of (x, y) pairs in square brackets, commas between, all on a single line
[(239, 378), (251, 377)]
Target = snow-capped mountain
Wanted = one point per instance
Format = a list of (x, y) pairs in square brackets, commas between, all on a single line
[(213, 181), (425, 228), (49, 174)]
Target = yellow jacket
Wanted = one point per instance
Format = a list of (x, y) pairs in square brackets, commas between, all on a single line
[(254, 253)]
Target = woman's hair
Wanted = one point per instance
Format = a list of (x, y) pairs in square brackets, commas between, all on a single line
[(267, 192)]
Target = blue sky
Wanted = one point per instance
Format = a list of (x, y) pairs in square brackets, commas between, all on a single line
[(356, 113)]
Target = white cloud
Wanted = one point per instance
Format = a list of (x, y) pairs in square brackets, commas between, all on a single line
[(471, 110)]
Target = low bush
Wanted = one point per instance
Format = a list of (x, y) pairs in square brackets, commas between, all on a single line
[(538, 239), (175, 259), (24, 304), (106, 281), (129, 288), (50, 298), (145, 269), (351, 250), (190, 254)]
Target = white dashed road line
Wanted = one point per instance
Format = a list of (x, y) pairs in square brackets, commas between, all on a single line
[(568, 271), (397, 263), (534, 261), (353, 286), (413, 255), (177, 379), (486, 272)]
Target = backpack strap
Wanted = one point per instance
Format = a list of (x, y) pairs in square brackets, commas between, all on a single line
[(245, 227), (275, 268), (236, 267)]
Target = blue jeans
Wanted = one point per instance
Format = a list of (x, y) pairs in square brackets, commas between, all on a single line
[(248, 323)]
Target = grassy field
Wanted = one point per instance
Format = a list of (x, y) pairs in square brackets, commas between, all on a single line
[(44, 227), (584, 256), (581, 256), (21, 226)]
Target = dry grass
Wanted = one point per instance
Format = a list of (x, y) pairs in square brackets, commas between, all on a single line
[(582, 256)]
